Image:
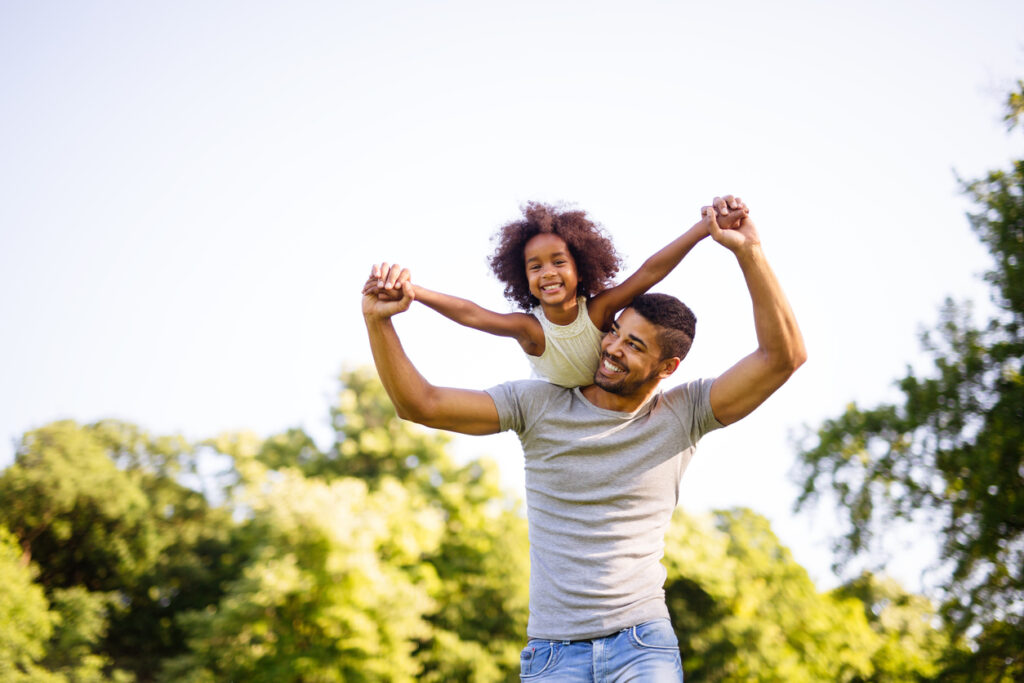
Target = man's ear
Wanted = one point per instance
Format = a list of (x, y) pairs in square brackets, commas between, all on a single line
[(668, 366)]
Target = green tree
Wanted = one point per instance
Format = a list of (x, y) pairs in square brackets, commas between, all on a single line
[(81, 518), (335, 591), (482, 562), (120, 544), (1015, 106), (744, 610), (40, 643), (480, 601), (76, 648), (910, 646), (26, 623), (951, 451), (200, 548)]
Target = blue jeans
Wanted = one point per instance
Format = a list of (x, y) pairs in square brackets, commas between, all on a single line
[(646, 653)]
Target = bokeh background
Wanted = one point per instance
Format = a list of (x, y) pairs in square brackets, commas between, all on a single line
[(192, 194)]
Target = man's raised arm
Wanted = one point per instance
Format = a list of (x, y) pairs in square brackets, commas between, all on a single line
[(415, 399), (780, 345)]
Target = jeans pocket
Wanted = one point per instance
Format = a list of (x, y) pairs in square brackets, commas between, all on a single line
[(536, 658), (655, 635)]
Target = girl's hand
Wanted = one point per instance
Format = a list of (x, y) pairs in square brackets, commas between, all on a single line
[(389, 277)]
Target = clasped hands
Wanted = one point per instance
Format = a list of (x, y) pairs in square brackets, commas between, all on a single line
[(728, 222), (388, 290)]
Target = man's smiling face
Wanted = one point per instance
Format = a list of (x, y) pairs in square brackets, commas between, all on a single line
[(631, 356)]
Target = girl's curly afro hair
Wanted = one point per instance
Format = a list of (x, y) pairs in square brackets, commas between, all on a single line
[(597, 262)]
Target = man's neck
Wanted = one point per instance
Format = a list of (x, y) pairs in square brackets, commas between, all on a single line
[(620, 402)]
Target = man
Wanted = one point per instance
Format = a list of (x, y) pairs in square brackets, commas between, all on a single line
[(603, 462)]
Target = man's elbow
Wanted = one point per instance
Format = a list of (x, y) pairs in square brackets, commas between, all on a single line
[(783, 362), (404, 413), (798, 357), (419, 411), (413, 414), (791, 360)]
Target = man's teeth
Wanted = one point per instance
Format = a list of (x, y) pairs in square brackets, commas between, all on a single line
[(612, 368)]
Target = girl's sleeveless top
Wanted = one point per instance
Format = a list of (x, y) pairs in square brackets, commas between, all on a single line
[(571, 352)]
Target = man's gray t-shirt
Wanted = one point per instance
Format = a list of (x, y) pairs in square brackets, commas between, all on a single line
[(601, 486)]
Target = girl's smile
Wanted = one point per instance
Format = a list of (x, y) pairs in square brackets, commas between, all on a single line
[(551, 272)]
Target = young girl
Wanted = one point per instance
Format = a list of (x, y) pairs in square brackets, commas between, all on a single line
[(557, 266)]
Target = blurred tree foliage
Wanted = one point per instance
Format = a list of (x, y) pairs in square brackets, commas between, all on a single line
[(49, 642), (125, 556), (26, 622), (744, 610), (118, 541), (952, 450)]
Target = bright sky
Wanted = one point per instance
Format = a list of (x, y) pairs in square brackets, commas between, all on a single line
[(192, 193)]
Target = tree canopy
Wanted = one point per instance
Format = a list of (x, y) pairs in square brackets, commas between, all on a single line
[(951, 451)]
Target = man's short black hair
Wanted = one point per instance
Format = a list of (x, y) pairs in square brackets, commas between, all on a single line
[(676, 323)]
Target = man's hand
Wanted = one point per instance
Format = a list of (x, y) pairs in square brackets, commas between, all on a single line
[(729, 212), (387, 292), (729, 223)]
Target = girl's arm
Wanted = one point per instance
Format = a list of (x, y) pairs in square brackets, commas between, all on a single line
[(522, 327), (606, 304)]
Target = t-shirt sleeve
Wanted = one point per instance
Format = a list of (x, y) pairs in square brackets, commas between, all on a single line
[(510, 412), (692, 403), (522, 402)]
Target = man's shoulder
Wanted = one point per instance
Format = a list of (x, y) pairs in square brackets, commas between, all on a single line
[(521, 402), (686, 396), (529, 388), (691, 402), (529, 395), (690, 386)]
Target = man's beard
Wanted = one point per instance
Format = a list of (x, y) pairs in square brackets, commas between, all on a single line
[(622, 386)]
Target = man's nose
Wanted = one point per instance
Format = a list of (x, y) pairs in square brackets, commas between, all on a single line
[(613, 347)]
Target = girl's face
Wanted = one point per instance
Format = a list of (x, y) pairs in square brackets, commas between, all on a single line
[(550, 269)]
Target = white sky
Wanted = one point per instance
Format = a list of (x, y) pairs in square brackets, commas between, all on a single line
[(192, 193)]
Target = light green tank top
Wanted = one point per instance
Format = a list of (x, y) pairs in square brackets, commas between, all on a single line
[(571, 352)]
